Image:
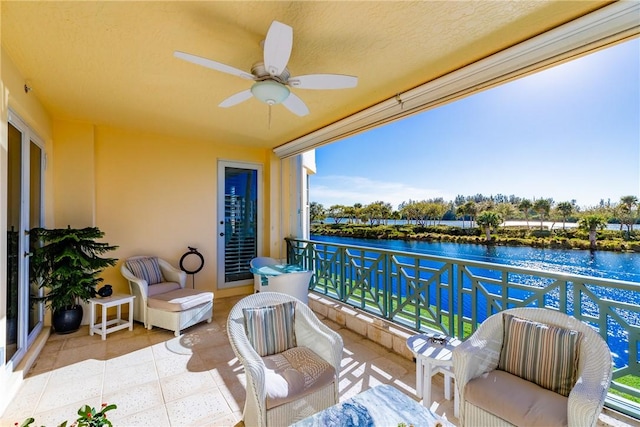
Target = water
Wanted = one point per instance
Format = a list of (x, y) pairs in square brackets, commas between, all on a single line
[(601, 264)]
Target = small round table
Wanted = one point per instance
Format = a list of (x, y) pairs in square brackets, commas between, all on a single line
[(433, 355)]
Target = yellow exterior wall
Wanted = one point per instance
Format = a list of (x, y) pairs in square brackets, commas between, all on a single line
[(156, 195), (73, 174)]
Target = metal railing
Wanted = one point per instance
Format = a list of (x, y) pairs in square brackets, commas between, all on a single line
[(426, 293)]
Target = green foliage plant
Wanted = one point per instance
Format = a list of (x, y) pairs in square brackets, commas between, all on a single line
[(67, 262), (87, 417)]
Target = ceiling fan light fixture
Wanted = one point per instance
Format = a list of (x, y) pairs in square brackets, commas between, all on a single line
[(270, 92)]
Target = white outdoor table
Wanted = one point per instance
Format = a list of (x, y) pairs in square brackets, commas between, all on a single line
[(432, 358), (107, 326)]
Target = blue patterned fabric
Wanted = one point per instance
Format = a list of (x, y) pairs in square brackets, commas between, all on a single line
[(270, 329), (147, 269)]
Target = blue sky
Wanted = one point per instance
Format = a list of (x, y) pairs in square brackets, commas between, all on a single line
[(569, 132)]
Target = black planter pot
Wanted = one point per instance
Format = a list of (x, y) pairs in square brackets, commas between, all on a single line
[(67, 320)]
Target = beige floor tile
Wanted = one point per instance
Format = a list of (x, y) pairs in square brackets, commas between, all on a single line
[(157, 379), (185, 383), (229, 374), (123, 377), (43, 365), (170, 347), (62, 393), (68, 412), (127, 344), (227, 420), (129, 358), (77, 372), (30, 393), (71, 356), (234, 394), (188, 411), (151, 417), (84, 341), (177, 364), (386, 367), (135, 399)]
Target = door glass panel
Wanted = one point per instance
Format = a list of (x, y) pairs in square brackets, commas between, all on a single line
[(35, 209), (240, 222), (14, 185)]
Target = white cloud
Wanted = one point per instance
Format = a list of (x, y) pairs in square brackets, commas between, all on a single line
[(348, 190)]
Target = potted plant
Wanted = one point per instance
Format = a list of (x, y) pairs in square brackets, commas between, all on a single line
[(67, 262)]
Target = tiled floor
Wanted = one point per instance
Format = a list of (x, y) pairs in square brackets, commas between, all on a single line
[(156, 379)]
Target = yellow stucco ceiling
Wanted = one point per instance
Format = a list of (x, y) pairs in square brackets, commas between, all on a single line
[(112, 63)]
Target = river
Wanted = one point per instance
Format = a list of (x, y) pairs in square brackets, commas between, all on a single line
[(604, 264)]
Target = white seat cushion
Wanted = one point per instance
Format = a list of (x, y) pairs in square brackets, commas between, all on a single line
[(295, 373), (179, 300), (161, 288), (517, 401)]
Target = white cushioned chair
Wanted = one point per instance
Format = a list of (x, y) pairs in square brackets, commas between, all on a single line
[(291, 359), (161, 297), (534, 367), (258, 262)]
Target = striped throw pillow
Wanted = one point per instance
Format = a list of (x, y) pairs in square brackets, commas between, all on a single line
[(146, 269), (271, 329), (544, 354)]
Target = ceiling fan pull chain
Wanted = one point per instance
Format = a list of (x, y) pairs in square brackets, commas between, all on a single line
[(269, 116)]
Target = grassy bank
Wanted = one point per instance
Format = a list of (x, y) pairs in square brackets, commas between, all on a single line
[(607, 240)]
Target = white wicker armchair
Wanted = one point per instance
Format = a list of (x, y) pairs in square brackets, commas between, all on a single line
[(480, 354), (167, 304), (310, 333)]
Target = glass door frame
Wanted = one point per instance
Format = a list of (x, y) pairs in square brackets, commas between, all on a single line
[(25, 338), (220, 224)]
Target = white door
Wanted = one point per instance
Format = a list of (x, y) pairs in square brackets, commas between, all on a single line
[(239, 221)]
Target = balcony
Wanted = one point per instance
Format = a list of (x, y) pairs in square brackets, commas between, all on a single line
[(156, 379), (417, 292)]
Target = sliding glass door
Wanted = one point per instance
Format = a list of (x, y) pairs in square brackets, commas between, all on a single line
[(25, 162)]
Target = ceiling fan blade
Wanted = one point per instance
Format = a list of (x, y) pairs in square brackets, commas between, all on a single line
[(218, 66), (277, 47), (323, 81), (236, 99), (295, 105)]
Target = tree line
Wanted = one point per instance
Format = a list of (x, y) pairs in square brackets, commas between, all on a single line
[(486, 212)]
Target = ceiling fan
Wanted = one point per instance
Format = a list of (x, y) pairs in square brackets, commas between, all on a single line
[(272, 78)]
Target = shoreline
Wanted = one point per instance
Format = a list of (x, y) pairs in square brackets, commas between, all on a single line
[(511, 235)]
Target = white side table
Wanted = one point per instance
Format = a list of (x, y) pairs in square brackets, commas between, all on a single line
[(108, 326), (433, 357)]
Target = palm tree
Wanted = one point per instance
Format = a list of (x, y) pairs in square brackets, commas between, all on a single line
[(506, 210), (471, 209), (591, 223), (487, 220), (565, 209), (525, 206), (628, 217), (460, 213), (543, 207)]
